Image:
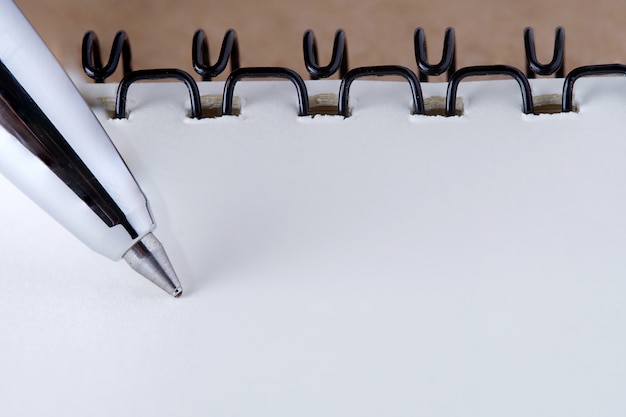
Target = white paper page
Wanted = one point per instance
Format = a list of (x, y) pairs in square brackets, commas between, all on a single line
[(383, 264)]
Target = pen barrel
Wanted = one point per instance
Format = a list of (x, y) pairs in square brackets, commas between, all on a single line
[(53, 148)]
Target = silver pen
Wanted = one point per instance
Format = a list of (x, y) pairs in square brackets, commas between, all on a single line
[(54, 150)]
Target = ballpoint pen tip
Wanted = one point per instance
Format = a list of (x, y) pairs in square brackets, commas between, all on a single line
[(149, 259)]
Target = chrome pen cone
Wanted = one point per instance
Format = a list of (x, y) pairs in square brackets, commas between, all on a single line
[(148, 258)]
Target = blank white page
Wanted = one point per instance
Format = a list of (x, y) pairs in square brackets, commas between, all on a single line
[(385, 264)]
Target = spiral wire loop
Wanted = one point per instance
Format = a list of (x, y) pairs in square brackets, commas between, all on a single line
[(380, 71), (533, 66), (516, 74), (92, 60), (200, 54), (157, 74), (586, 71), (448, 56), (264, 72), (338, 61)]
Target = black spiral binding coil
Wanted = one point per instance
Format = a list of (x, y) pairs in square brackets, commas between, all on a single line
[(448, 56), (157, 74), (338, 61), (516, 74), (200, 54), (265, 72), (92, 65), (553, 67), (92, 60), (585, 71), (380, 71)]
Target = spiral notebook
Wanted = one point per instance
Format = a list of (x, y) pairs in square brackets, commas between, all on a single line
[(384, 263)]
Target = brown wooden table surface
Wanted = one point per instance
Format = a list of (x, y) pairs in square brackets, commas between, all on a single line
[(378, 31)]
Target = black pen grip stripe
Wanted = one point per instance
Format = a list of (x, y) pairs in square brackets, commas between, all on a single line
[(24, 119)]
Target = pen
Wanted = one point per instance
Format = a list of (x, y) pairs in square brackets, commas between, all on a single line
[(54, 150)]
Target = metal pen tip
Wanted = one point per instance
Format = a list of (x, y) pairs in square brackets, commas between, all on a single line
[(149, 259)]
